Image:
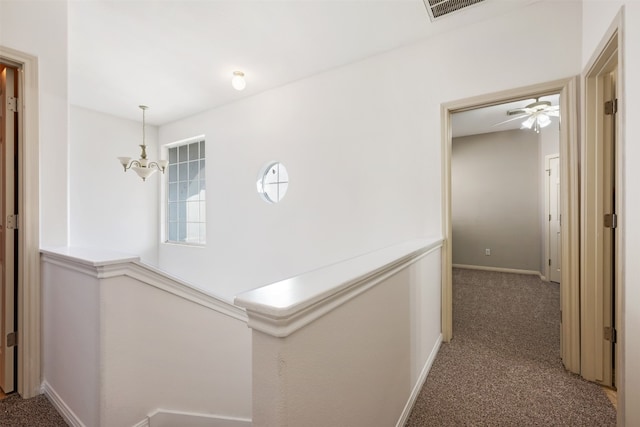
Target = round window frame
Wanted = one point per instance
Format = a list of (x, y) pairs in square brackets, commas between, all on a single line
[(261, 184)]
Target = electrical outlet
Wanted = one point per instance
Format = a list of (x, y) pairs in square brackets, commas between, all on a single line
[(487, 252)]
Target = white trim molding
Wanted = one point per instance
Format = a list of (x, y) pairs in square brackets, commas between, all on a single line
[(69, 416), (28, 293), (167, 418), (418, 386), (143, 423), (284, 307), (498, 269)]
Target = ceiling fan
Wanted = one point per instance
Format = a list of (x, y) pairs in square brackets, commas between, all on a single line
[(536, 115)]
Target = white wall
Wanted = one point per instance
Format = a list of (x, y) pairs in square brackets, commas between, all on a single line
[(39, 28), (111, 209), (358, 364), (121, 341), (597, 17), (495, 200), (163, 352), (362, 146), (71, 340)]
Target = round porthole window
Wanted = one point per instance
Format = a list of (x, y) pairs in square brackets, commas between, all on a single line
[(273, 182)]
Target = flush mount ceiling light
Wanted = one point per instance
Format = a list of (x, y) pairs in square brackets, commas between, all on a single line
[(143, 167), (536, 115), (238, 82)]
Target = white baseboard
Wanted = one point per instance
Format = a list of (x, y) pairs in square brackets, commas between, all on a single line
[(165, 418), (69, 416), (418, 386), (498, 269)]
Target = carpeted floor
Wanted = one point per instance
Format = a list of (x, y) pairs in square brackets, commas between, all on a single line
[(35, 412), (503, 366)]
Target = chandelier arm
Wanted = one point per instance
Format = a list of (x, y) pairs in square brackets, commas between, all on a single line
[(131, 164), (156, 165)]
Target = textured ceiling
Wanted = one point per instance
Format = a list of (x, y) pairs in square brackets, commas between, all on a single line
[(178, 56)]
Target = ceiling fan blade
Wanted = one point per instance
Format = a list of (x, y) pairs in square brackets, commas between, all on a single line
[(522, 116), (553, 113), (524, 110)]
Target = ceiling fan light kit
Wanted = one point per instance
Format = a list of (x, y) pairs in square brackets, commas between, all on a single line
[(536, 115)]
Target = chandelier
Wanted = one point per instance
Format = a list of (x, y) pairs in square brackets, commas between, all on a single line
[(143, 167)]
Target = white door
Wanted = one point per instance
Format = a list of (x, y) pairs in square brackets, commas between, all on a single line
[(553, 214), (8, 226)]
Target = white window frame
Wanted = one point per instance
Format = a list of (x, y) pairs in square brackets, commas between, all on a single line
[(164, 235)]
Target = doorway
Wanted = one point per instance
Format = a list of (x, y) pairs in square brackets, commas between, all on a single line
[(569, 296), (499, 175)]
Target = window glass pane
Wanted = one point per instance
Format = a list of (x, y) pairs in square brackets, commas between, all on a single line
[(182, 231), (193, 211), (193, 151), (182, 212), (272, 175), (173, 155), (272, 191), (194, 191), (173, 173), (194, 169), (172, 215), (202, 175), (283, 175), (193, 232), (183, 171), (182, 153), (173, 231), (173, 192), (183, 191)]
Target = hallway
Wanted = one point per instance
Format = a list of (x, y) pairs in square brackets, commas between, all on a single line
[(503, 366)]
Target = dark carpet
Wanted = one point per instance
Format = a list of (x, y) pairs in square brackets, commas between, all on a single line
[(503, 366), (35, 412)]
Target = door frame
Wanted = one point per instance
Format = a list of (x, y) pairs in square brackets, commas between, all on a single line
[(9, 244), (569, 179), (609, 49), (547, 211), (28, 292)]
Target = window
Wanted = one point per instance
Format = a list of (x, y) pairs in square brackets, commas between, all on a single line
[(186, 206), (273, 182)]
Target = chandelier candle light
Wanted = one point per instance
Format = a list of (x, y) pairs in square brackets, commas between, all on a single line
[(143, 167)]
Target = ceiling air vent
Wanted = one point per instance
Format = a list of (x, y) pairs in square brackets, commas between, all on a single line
[(439, 8)]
